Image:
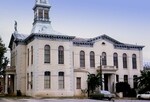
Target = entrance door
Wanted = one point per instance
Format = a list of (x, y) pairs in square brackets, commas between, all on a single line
[(106, 81)]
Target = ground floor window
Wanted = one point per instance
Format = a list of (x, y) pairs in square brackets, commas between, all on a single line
[(78, 82), (126, 78), (47, 80), (61, 80), (27, 81)]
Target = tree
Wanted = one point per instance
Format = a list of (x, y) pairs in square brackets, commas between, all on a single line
[(3, 59), (143, 81), (93, 82)]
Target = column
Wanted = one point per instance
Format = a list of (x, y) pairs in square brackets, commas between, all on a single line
[(114, 82), (6, 83), (103, 88), (15, 83)]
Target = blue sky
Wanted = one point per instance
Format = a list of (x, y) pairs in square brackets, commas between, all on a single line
[(127, 21)]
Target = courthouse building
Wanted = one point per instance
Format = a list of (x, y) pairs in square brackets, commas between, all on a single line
[(48, 63)]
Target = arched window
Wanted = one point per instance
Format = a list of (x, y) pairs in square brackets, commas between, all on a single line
[(124, 60), (104, 58), (61, 55), (31, 54), (115, 56), (47, 80), (134, 64), (82, 59), (47, 54), (92, 59), (28, 57), (61, 80)]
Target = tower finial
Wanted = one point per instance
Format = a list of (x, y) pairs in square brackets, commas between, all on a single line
[(15, 26), (40, 2)]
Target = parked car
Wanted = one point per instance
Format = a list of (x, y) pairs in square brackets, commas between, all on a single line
[(145, 95), (107, 95)]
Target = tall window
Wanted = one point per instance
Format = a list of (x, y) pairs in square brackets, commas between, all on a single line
[(117, 78), (134, 64), (92, 59), (47, 54), (28, 57), (31, 80), (47, 80), (115, 60), (40, 13), (31, 54), (61, 80), (61, 55), (124, 60), (82, 59), (126, 78), (46, 14), (134, 81), (78, 82), (104, 58), (27, 81)]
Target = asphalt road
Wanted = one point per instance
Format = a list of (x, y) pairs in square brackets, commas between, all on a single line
[(67, 100)]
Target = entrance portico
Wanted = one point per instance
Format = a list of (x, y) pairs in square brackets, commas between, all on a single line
[(10, 80), (109, 77)]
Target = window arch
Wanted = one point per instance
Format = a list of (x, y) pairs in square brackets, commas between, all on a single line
[(115, 58), (134, 63), (47, 80), (104, 58), (82, 59), (61, 80), (92, 59), (47, 54), (61, 55), (124, 60)]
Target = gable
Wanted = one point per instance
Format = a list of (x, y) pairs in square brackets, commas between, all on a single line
[(15, 39)]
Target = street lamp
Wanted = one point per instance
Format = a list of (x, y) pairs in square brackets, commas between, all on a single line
[(101, 84)]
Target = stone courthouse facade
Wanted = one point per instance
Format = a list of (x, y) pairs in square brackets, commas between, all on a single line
[(48, 63)]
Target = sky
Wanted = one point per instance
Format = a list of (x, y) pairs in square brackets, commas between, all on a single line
[(127, 21)]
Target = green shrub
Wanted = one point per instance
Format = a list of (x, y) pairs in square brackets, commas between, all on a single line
[(97, 96)]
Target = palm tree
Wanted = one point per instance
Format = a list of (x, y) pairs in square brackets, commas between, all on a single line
[(143, 81)]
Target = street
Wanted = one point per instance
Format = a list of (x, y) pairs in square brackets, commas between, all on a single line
[(67, 100)]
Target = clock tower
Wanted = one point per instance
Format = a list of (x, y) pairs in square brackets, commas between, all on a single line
[(42, 23)]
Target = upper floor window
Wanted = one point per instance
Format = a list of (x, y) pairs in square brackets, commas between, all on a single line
[(124, 60), (47, 54), (31, 54), (134, 63), (28, 57), (61, 55), (104, 58), (92, 59), (115, 56), (61, 80), (82, 59), (47, 80)]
